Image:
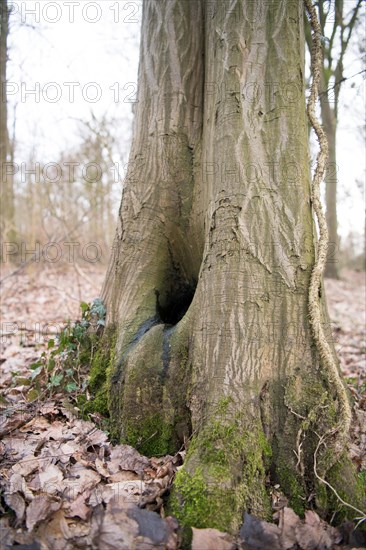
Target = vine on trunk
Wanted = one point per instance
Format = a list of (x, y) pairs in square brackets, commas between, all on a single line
[(324, 349)]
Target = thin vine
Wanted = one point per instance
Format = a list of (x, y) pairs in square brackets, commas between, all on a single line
[(325, 351)]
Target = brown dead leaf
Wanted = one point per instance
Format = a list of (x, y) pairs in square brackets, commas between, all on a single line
[(78, 508), (312, 538), (96, 438), (124, 457), (7, 532), (50, 479), (101, 468), (67, 450), (37, 425), (55, 533), (16, 502), (79, 480), (10, 423), (41, 507), (124, 475), (123, 492), (81, 427), (26, 466), (131, 527), (49, 408), (55, 431), (260, 535), (288, 521), (207, 539), (117, 529), (17, 483), (315, 533)]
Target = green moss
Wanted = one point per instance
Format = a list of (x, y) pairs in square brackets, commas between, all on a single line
[(185, 535), (349, 486), (195, 503), (312, 410), (149, 402), (143, 414), (224, 474), (177, 389), (101, 364), (151, 435), (293, 487)]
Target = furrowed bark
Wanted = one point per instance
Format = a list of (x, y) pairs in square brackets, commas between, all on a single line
[(213, 255), (159, 240)]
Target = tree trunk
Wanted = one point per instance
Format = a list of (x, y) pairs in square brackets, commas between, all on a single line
[(6, 190), (330, 128), (206, 291)]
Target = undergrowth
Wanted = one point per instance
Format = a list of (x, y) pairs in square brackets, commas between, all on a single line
[(64, 367)]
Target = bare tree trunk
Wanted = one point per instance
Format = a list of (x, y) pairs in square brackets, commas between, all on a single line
[(6, 190), (330, 128), (207, 288)]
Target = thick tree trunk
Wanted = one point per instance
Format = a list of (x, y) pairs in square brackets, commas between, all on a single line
[(6, 189), (207, 287)]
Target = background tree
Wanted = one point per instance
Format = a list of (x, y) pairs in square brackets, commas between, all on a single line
[(337, 24), (207, 289), (6, 190)]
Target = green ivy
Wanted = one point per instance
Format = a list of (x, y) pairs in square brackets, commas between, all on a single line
[(62, 366)]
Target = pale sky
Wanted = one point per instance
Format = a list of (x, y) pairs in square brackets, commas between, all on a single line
[(100, 59)]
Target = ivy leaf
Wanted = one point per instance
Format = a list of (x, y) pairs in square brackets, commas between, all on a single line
[(71, 386), (84, 307), (32, 394), (51, 364), (98, 308), (56, 379), (51, 343), (36, 372)]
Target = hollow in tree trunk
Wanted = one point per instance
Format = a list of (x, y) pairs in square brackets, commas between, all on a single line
[(206, 292)]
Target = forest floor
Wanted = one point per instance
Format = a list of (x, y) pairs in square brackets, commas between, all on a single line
[(63, 485)]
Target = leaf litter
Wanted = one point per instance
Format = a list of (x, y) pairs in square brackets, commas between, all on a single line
[(64, 485)]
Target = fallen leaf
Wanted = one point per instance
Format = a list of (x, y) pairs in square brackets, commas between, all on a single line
[(50, 479), (16, 502), (78, 508), (123, 491), (288, 522), (207, 539), (41, 507), (10, 423), (79, 479), (26, 466), (260, 535), (101, 468), (124, 457)]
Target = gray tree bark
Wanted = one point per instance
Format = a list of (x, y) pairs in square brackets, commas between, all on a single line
[(6, 189), (330, 128), (207, 286)]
